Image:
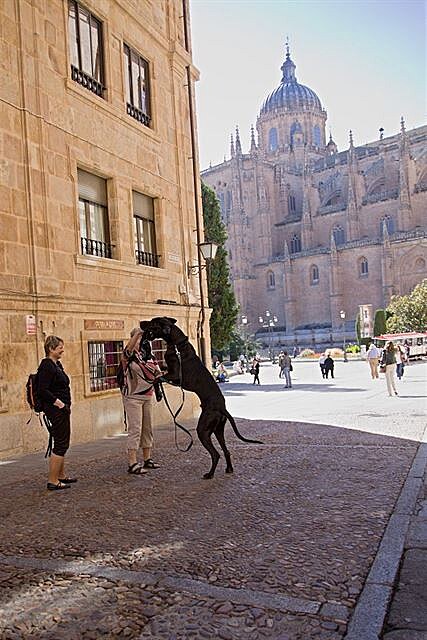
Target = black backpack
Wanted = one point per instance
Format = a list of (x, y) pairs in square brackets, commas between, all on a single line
[(32, 389)]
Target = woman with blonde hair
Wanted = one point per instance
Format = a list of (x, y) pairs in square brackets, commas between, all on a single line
[(54, 391), (388, 360)]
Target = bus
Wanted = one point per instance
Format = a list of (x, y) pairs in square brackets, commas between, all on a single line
[(416, 342)]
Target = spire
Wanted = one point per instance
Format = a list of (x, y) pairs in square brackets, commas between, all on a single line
[(351, 140), (238, 145), (288, 67), (253, 143), (232, 147), (402, 125)]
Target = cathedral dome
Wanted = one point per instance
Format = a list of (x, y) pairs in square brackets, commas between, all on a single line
[(290, 95)]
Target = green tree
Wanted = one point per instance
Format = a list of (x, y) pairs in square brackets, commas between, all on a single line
[(220, 294), (357, 327), (379, 322), (408, 313)]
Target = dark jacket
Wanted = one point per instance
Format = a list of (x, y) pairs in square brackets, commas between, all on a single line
[(53, 383), (328, 364)]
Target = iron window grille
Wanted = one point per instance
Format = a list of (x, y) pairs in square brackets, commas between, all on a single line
[(137, 86), (86, 51), (95, 239), (104, 359)]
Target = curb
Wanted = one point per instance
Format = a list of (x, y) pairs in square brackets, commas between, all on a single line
[(370, 612)]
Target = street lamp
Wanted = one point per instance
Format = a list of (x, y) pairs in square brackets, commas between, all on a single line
[(244, 325), (342, 315), (208, 252)]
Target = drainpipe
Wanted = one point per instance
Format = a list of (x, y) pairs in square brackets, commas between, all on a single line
[(196, 183)]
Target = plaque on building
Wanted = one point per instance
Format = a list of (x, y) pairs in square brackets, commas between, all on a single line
[(104, 325), (366, 321), (30, 325)]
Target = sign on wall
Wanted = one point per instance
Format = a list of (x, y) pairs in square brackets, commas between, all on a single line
[(110, 325), (30, 325), (366, 321)]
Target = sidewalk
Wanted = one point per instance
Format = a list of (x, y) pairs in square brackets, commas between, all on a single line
[(283, 549)]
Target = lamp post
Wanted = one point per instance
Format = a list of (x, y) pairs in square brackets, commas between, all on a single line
[(244, 325), (342, 315), (269, 325)]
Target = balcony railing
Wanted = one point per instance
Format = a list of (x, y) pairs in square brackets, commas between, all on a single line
[(96, 248), (87, 81), (149, 259), (139, 115)]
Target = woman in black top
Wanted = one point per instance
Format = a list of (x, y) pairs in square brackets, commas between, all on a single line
[(54, 391)]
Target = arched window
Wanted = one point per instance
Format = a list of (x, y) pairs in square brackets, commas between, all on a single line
[(317, 137), (314, 274), (295, 244), (271, 280), (339, 235), (389, 222), (295, 128), (291, 203), (229, 201), (363, 267), (272, 139)]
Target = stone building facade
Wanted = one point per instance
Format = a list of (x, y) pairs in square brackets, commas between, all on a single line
[(99, 218), (314, 231)]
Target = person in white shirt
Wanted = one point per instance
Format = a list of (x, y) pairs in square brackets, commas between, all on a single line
[(373, 357)]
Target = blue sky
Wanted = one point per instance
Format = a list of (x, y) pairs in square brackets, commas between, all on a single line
[(366, 60)]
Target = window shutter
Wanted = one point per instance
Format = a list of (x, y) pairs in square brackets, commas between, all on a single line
[(143, 206), (92, 187)]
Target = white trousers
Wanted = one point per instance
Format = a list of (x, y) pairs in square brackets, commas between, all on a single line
[(390, 379)]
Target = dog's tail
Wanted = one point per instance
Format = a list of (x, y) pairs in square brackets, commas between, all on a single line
[(237, 432)]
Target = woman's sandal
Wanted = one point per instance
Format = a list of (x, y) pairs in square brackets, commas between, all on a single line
[(67, 480), (150, 464), (136, 469), (51, 486)]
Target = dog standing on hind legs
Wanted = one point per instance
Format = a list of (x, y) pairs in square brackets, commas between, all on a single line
[(187, 370)]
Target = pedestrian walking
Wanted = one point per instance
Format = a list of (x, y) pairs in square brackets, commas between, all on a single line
[(55, 394), (287, 368), (322, 359), (329, 366), (140, 373), (400, 361), (255, 371), (388, 366), (373, 358), (295, 352), (281, 360)]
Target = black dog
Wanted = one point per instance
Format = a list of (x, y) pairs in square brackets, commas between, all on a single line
[(186, 369)]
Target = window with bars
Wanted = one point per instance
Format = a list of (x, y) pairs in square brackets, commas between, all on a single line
[(93, 213), (144, 230), (137, 86), (104, 358), (86, 53)]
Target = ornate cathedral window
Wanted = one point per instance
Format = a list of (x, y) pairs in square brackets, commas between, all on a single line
[(271, 281), (272, 139), (339, 235), (295, 246), (291, 204), (314, 274), (363, 267), (389, 223)]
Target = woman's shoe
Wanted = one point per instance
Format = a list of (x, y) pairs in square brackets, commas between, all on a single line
[(51, 486), (68, 480), (150, 464)]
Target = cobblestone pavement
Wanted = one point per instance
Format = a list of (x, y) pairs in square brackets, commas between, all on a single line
[(280, 549)]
